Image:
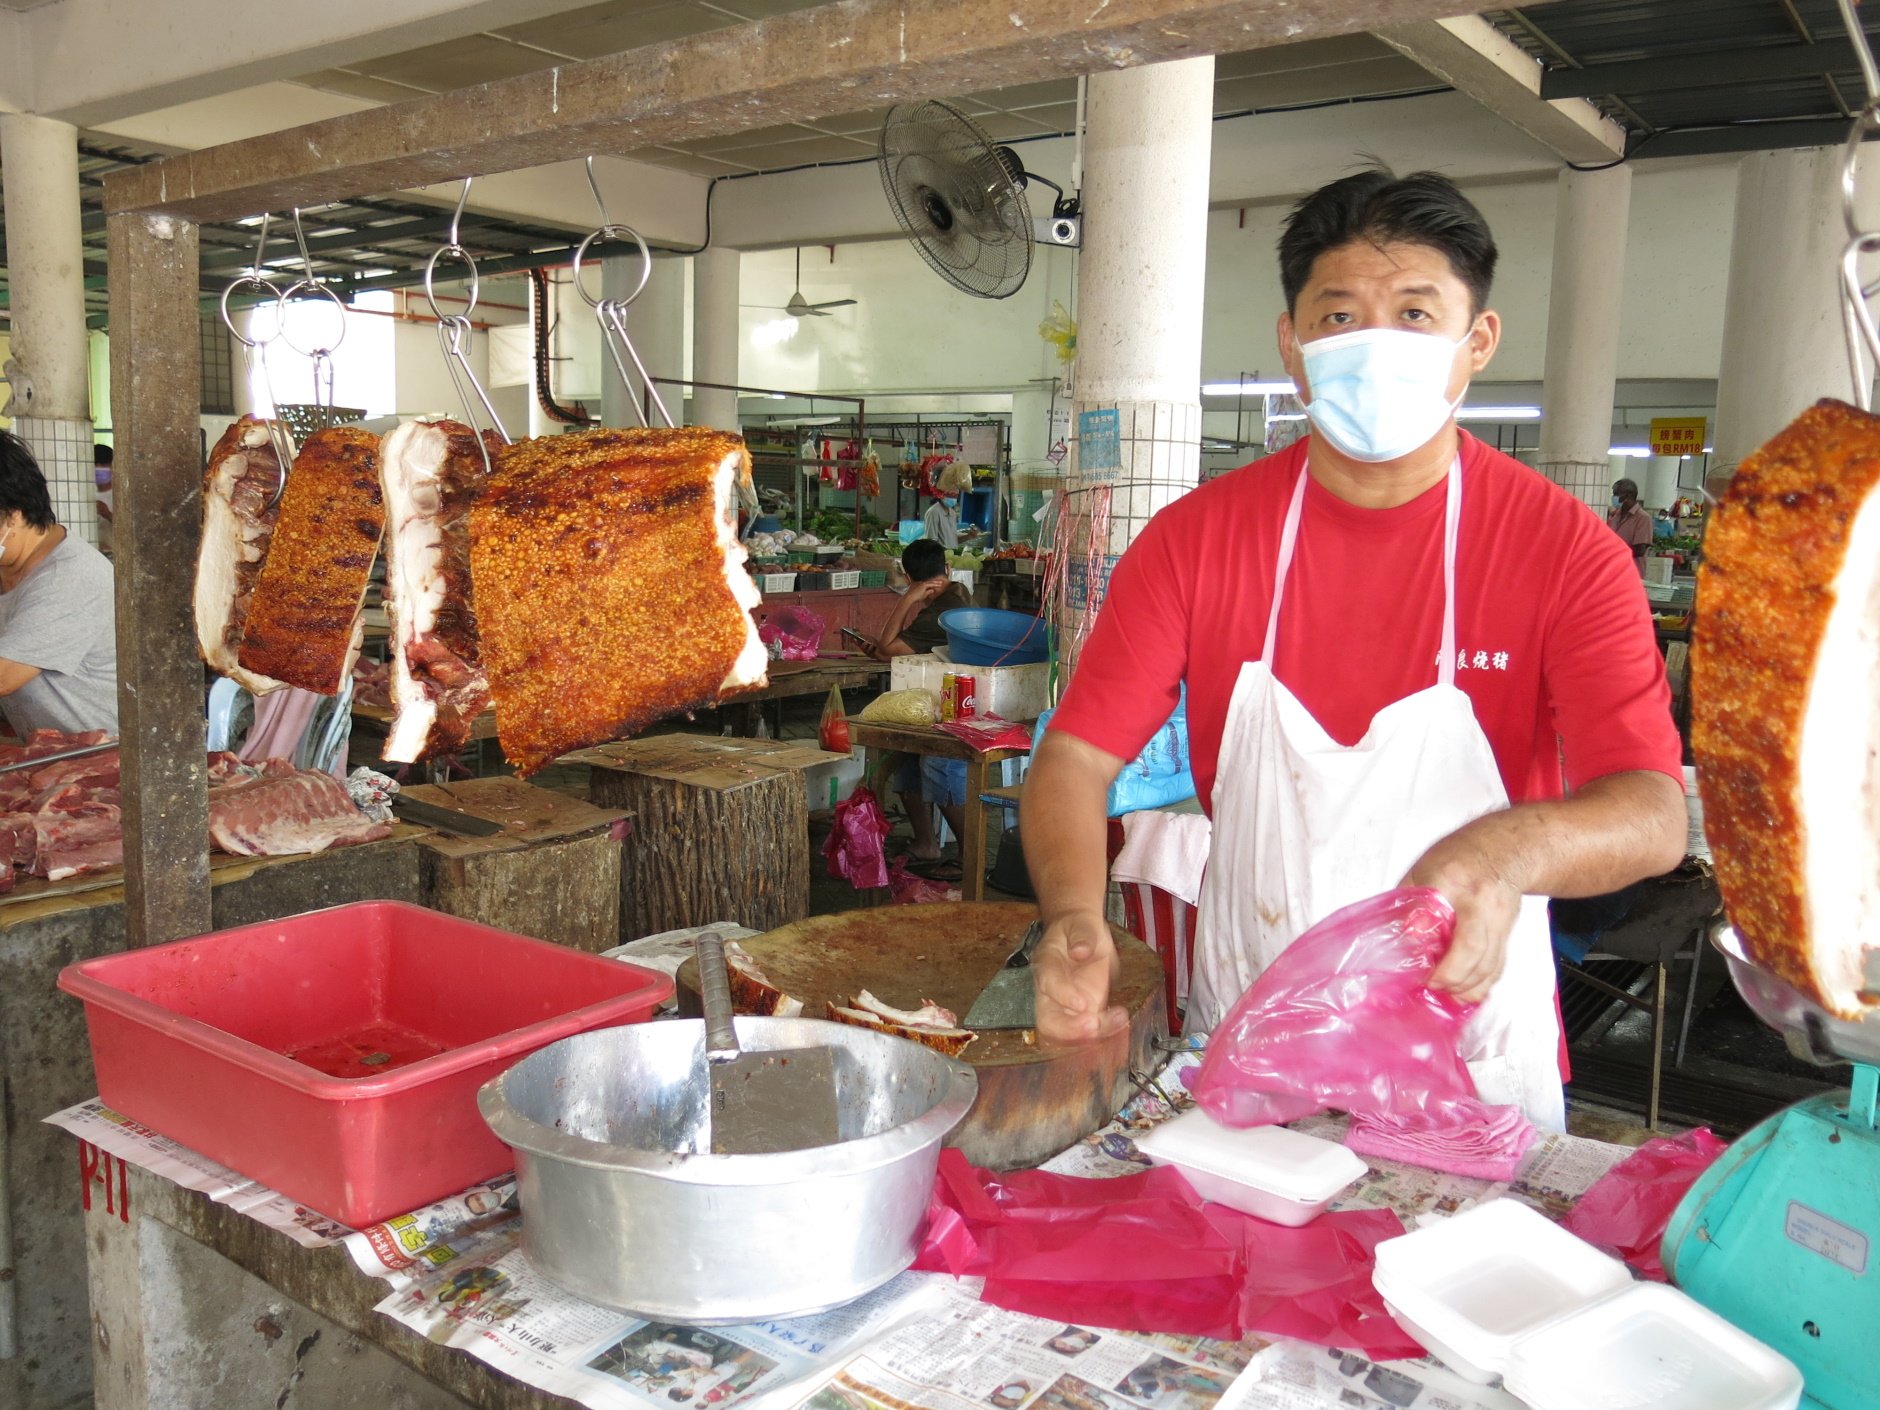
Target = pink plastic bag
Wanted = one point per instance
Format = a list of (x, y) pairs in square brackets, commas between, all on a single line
[(1627, 1209), (1143, 1253), (1344, 1019), (798, 630), (854, 848), (910, 890)]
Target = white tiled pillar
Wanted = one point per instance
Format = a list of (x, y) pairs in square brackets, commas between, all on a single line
[(715, 273), (45, 275), (1136, 425)]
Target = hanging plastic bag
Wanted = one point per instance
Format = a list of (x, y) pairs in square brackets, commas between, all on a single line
[(854, 849), (1344, 1019), (797, 631), (833, 732), (1628, 1208)]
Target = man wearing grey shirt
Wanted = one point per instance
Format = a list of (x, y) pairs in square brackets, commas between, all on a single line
[(58, 624)]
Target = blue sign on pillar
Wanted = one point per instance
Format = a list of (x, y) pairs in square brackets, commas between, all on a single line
[(1099, 444)]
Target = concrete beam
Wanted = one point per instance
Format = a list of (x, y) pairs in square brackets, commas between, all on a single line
[(866, 53), (666, 206), (1477, 59), (188, 49)]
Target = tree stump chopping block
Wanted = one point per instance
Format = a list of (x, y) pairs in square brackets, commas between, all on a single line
[(700, 853)]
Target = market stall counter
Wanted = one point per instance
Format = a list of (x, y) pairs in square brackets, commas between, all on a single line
[(212, 1295)]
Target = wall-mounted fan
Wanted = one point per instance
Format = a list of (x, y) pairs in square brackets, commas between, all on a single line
[(800, 307), (961, 199)]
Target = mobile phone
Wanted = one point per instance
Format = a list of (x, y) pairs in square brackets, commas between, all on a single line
[(854, 635)]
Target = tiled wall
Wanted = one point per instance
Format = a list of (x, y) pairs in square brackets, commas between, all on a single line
[(63, 450), (1588, 481)]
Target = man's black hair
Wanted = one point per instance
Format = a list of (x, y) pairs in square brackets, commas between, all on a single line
[(101, 455), (22, 484), (924, 559), (1379, 207)]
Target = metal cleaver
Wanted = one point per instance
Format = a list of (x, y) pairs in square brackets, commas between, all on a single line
[(1009, 1001)]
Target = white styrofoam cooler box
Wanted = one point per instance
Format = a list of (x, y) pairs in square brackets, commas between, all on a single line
[(1285, 1177), (829, 783), (1503, 1291), (1010, 692)]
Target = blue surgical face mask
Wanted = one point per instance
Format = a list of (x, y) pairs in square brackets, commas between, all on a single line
[(1379, 393), (1616, 501)]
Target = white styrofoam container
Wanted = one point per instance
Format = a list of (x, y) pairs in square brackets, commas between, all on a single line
[(1503, 1291), (1010, 692), (1283, 1176)]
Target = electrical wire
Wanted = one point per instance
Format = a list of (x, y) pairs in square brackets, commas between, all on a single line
[(544, 384)]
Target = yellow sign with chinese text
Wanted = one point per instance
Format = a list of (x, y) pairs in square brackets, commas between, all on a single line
[(1678, 435)]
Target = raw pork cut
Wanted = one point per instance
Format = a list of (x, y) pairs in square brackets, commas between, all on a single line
[(237, 521), (1785, 694), (277, 809), (77, 828), (19, 840), (930, 1025), (304, 620), (610, 585), (432, 473)]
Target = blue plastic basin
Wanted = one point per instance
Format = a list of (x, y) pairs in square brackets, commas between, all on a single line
[(986, 636)]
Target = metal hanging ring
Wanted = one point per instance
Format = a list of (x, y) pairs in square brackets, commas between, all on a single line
[(316, 287), (1863, 51), (250, 281), (613, 232), (456, 252)]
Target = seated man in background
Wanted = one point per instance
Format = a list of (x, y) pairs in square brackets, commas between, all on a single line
[(914, 627)]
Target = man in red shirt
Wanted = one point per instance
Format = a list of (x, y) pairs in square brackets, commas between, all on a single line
[(1393, 638)]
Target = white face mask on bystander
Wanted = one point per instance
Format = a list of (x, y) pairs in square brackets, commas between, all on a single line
[(1379, 393)]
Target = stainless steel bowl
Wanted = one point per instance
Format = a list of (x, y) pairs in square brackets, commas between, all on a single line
[(1813, 1034), (623, 1203)]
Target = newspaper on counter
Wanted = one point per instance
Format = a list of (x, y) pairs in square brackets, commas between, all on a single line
[(136, 1144), (1291, 1375), (963, 1354), (409, 1246), (495, 1306)]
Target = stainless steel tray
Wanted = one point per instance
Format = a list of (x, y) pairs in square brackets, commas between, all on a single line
[(1813, 1034)]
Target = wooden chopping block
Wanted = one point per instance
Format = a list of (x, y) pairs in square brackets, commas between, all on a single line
[(1032, 1102)]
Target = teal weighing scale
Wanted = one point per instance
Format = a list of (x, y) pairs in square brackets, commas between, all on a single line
[(1782, 1235)]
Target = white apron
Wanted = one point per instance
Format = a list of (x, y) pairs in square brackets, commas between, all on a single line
[(1304, 825)]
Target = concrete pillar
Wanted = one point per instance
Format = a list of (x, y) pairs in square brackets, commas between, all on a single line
[(656, 323), (46, 275), (715, 274), (1137, 410), (1782, 343), (1590, 214)]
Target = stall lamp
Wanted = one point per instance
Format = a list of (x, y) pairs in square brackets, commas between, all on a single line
[(1635, 452), (1247, 389), (1498, 413)]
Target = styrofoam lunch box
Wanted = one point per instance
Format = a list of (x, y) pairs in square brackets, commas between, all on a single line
[(1283, 1176), (1503, 1291)]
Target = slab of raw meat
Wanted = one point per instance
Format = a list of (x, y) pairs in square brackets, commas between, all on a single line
[(432, 473), (1785, 696), (19, 840), (96, 770), (277, 809), (304, 620), (610, 585), (237, 522), (77, 828)]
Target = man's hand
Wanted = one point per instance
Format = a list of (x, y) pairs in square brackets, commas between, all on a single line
[(1486, 905), (1072, 971)]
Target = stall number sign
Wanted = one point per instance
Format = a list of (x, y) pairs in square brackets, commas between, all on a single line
[(1678, 435)]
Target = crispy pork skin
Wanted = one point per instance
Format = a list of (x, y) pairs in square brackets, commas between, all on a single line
[(610, 585), (237, 522), (1785, 694), (304, 624), (431, 473)]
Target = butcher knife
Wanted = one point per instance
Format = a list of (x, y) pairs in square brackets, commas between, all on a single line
[(1010, 1001), (783, 1099), (430, 815)]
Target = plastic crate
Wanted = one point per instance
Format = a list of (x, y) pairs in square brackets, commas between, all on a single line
[(776, 582), (192, 1039), (801, 556), (845, 578), (813, 582), (872, 577)]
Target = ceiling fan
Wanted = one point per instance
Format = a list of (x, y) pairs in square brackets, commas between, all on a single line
[(800, 307)]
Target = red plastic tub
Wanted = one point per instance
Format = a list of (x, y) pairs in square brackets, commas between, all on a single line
[(192, 1040)]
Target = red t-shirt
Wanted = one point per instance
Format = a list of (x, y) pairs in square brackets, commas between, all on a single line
[(1557, 650)]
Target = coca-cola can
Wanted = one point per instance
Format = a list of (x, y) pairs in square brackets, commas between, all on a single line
[(965, 696)]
